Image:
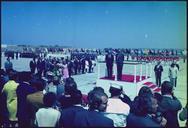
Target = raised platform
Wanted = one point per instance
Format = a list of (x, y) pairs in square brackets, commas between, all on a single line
[(130, 87), (126, 78)]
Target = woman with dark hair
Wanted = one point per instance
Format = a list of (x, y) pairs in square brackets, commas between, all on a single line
[(144, 111), (145, 90), (68, 113)]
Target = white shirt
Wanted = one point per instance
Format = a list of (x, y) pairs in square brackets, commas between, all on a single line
[(115, 105), (173, 72), (47, 117), (118, 111)]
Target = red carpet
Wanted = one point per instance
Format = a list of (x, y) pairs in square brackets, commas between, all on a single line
[(130, 78), (153, 86), (125, 78)]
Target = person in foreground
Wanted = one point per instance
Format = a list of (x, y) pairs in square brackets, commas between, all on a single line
[(48, 117), (144, 111), (94, 117), (169, 105)]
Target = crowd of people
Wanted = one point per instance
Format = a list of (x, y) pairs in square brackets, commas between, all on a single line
[(65, 67), (30, 100), (48, 96)]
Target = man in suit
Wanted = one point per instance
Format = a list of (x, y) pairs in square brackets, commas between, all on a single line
[(119, 62), (169, 105), (68, 114), (8, 65), (109, 63), (22, 91), (33, 65), (93, 117), (158, 69)]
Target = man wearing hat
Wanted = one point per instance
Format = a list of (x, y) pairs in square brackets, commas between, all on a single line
[(117, 110)]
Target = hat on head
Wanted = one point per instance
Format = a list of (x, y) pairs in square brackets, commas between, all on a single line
[(115, 89)]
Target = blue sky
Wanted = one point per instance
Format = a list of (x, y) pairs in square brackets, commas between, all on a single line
[(95, 24)]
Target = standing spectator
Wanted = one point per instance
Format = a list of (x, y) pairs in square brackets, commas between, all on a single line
[(8, 65), (116, 106), (39, 67), (93, 117), (158, 69), (79, 65), (173, 73), (16, 55), (9, 90), (33, 65), (75, 65), (70, 66), (183, 114), (177, 65), (48, 116), (83, 64), (93, 65), (65, 70), (3, 106), (119, 62), (86, 66), (22, 91), (52, 84), (169, 105), (109, 58), (68, 114), (143, 112), (90, 64)]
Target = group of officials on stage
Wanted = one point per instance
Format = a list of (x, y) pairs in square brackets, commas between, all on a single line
[(109, 58)]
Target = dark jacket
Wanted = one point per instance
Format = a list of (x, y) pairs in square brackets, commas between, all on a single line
[(158, 70), (92, 119), (169, 108), (22, 91), (141, 121), (119, 58), (109, 59), (68, 115)]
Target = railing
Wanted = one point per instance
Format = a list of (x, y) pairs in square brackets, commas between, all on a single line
[(148, 69)]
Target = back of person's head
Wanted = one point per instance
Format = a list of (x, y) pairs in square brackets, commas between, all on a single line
[(13, 75), (76, 97), (37, 84), (70, 87), (49, 99), (145, 91), (166, 87), (157, 96), (100, 89), (56, 80), (143, 105), (24, 76), (69, 80), (115, 90), (96, 100)]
